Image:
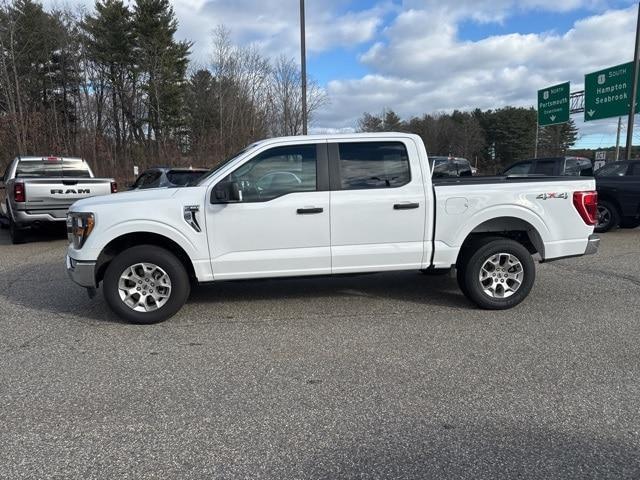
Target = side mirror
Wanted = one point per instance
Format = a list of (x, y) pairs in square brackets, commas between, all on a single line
[(226, 192)]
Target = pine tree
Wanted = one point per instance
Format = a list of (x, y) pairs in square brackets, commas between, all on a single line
[(163, 63), (555, 140)]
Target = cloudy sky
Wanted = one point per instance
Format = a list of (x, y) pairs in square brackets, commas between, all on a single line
[(418, 56)]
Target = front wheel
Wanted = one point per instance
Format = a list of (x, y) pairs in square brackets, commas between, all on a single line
[(146, 284), (498, 275)]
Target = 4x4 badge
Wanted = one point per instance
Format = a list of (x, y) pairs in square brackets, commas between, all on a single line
[(546, 196)]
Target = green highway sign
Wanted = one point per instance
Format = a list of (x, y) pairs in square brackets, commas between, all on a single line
[(607, 93), (553, 105)]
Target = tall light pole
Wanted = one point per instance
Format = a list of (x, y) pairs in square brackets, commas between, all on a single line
[(634, 90), (303, 68)]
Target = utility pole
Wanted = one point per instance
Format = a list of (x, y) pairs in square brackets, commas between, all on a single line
[(303, 68), (618, 139), (634, 91)]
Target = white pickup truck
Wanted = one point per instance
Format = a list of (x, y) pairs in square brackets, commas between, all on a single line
[(326, 204)]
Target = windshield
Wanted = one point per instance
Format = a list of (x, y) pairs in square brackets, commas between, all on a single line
[(225, 162)]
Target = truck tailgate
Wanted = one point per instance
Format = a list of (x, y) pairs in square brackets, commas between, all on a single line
[(59, 193)]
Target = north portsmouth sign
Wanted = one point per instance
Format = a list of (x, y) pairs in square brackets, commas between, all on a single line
[(607, 93), (553, 105)]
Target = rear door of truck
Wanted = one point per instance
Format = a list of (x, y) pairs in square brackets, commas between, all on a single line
[(378, 205)]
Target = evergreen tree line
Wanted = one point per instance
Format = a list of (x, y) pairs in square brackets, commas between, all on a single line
[(115, 87), (495, 138)]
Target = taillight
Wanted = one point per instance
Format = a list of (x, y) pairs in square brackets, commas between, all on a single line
[(114, 187), (587, 205), (18, 192)]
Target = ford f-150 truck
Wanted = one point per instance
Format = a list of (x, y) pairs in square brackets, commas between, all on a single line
[(328, 204), (39, 190)]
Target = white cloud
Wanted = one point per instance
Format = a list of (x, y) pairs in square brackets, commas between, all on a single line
[(273, 25), (418, 69)]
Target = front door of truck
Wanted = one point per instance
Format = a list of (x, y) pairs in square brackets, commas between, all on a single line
[(280, 224)]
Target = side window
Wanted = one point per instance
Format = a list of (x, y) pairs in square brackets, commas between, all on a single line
[(519, 169), (277, 172), (571, 167), (545, 167), (444, 169), (464, 168), (149, 180), (373, 165), (586, 167), (635, 169)]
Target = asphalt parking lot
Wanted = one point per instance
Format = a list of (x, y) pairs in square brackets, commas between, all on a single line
[(378, 376)]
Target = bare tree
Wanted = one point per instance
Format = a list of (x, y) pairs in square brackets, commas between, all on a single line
[(285, 98)]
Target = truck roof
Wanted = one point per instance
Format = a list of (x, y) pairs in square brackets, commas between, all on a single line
[(339, 136), (44, 158)]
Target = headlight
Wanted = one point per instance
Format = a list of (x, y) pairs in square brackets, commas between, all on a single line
[(79, 227)]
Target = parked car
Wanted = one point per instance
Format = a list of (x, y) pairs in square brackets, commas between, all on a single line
[(552, 167), (39, 190), (618, 186), (168, 177), (442, 167), (326, 204)]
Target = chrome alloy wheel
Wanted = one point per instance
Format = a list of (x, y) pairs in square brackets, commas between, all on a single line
[(501, 275), (604, 216), (144, 287)]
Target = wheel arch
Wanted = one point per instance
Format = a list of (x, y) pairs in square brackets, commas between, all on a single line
[(127, 240), (514, 228)]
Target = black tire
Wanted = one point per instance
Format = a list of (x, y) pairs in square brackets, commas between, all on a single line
[(472, 262), (16, 233), (608, 216), (165, 260), (630, 223), (467, 250)]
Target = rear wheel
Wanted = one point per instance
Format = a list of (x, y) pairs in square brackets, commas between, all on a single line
[(146, 284), (497, 274), (16, 233), (608, 216)]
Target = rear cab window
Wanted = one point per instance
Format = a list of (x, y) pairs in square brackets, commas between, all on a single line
[(371, 165), (545, 167), (522, 168), (52, 168)]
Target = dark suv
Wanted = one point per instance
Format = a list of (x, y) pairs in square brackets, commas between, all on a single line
[(618, 186), (168, 177), (552, 167)]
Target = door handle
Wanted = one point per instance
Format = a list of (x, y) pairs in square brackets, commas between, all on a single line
[(406, 206), (309, 210)]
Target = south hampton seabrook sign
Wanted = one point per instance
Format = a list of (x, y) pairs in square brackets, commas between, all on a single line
[(553, 104), (607, 93)]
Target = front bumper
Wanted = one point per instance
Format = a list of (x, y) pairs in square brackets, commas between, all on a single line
[(81, 272), (592, 245)]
